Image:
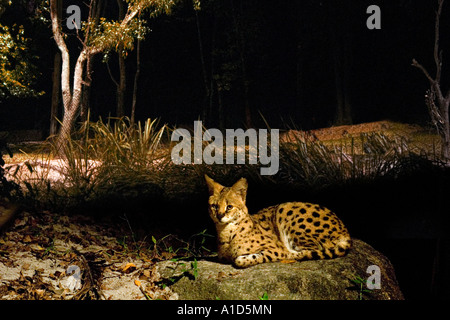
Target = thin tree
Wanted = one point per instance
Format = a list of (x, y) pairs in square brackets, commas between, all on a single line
[(203, 65), (86, 94), (438, 103), (56, 85), (136, 81), (240, 44), (100, 35), (121, 85)]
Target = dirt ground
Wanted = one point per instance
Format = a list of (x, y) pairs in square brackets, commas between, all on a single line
[(52, 257), (337, 133)]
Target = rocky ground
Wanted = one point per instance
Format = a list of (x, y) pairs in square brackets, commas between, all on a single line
[(53, 257)]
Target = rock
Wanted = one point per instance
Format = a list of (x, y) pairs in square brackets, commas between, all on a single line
[(306, 280)]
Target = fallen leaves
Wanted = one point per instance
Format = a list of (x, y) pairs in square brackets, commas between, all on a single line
[(39, 253), (29, 288)]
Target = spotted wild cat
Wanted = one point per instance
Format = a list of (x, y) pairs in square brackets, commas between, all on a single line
[(288, 231)]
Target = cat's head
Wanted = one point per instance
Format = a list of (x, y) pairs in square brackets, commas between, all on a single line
[(227, 204)]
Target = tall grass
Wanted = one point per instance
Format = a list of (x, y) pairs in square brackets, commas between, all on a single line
[(119, 142), (103, 161), (118, 162), (310, 162)]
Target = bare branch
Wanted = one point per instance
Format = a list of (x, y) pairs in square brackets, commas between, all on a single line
[(437, 54), (418, 65), (88, 28), (111, 75), (83, 42)]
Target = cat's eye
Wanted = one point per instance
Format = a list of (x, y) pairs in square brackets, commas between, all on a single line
[(214, 206), (229, 207)]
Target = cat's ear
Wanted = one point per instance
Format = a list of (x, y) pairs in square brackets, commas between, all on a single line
[(240, 187), (213, 186)]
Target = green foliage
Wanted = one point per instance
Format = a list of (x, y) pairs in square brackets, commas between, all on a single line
[(194, 268), (359, 285), (265, 296), (183, 249), (106, 35), (112, 35), (17, 73)]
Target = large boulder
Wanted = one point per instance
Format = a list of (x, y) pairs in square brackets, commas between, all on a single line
[(335, 279)]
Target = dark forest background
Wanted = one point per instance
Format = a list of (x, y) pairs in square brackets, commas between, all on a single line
[(290, 61), (305, 64)]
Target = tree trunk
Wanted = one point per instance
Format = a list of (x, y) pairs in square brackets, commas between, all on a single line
[(66, 129), (347, 58), (339, 117), (86, 95), (340, 42), (212, 81), (245, 80), (55, 94), (299, 76), (121, 86), (120, 111), (96, 6), (446, 130), (439, 114), (72, 101), (341, 76), (203, 65), (72, 94), (56, 79), (136, 78), (221, 113)]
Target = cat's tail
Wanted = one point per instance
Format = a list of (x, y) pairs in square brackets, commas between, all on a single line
[(342, 246), (325, 250)]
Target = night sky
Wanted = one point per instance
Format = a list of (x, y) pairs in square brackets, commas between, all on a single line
[(289, 48)]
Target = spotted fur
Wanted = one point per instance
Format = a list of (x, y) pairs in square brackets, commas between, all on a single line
[(288, 231)]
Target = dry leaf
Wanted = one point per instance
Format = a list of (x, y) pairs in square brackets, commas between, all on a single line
[(39, 292), (288, 261), (137, 282), (129, 267)]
